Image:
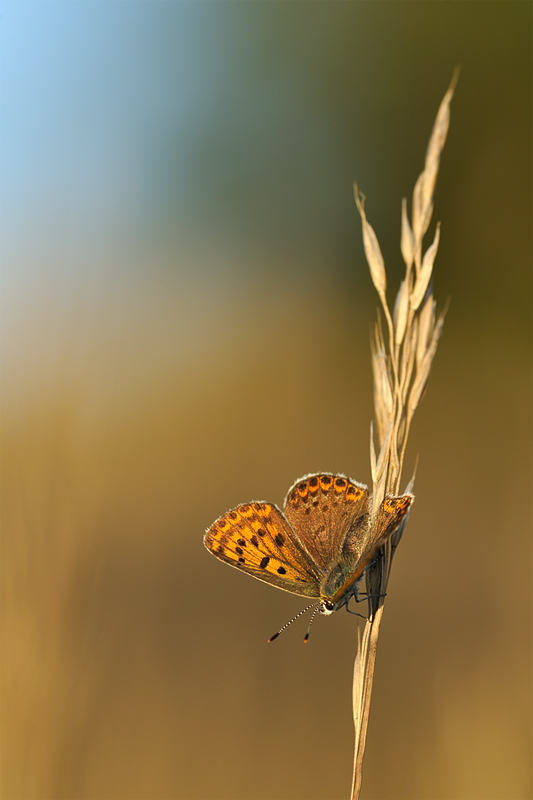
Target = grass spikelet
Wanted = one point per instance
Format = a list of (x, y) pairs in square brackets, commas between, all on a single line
[(401, 362)]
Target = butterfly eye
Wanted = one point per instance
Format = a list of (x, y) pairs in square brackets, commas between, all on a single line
[(327, 607)]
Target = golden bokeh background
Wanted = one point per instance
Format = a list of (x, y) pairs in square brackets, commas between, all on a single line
[(186, 316)]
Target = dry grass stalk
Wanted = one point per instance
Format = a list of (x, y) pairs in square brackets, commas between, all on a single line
[(402, 356)]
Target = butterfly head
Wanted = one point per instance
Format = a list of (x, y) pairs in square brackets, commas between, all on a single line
[(327, 607)]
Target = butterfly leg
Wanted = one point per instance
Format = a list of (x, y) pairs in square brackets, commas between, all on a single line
[(354, 594), (367, 597), (355, 613), (361, 600)]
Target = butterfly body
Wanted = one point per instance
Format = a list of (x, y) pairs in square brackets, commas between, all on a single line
[(318, 546)]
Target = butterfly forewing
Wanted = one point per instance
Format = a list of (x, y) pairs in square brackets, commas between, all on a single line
[(322, 509), (360, 546), (257, 539), (392, 512)]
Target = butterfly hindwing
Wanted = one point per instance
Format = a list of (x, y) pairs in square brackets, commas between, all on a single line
[(322, 508), (256, 538)]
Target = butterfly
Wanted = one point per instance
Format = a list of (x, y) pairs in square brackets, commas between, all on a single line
[(318, 546)]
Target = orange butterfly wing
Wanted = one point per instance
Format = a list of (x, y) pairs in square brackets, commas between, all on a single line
[(257, 539)]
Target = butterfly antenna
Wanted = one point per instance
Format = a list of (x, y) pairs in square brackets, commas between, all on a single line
[(306, 637), (293, 620)]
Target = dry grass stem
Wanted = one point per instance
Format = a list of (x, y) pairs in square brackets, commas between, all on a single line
[(402, 356)]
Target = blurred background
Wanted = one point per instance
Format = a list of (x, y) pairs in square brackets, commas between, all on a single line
[(186, 317)]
